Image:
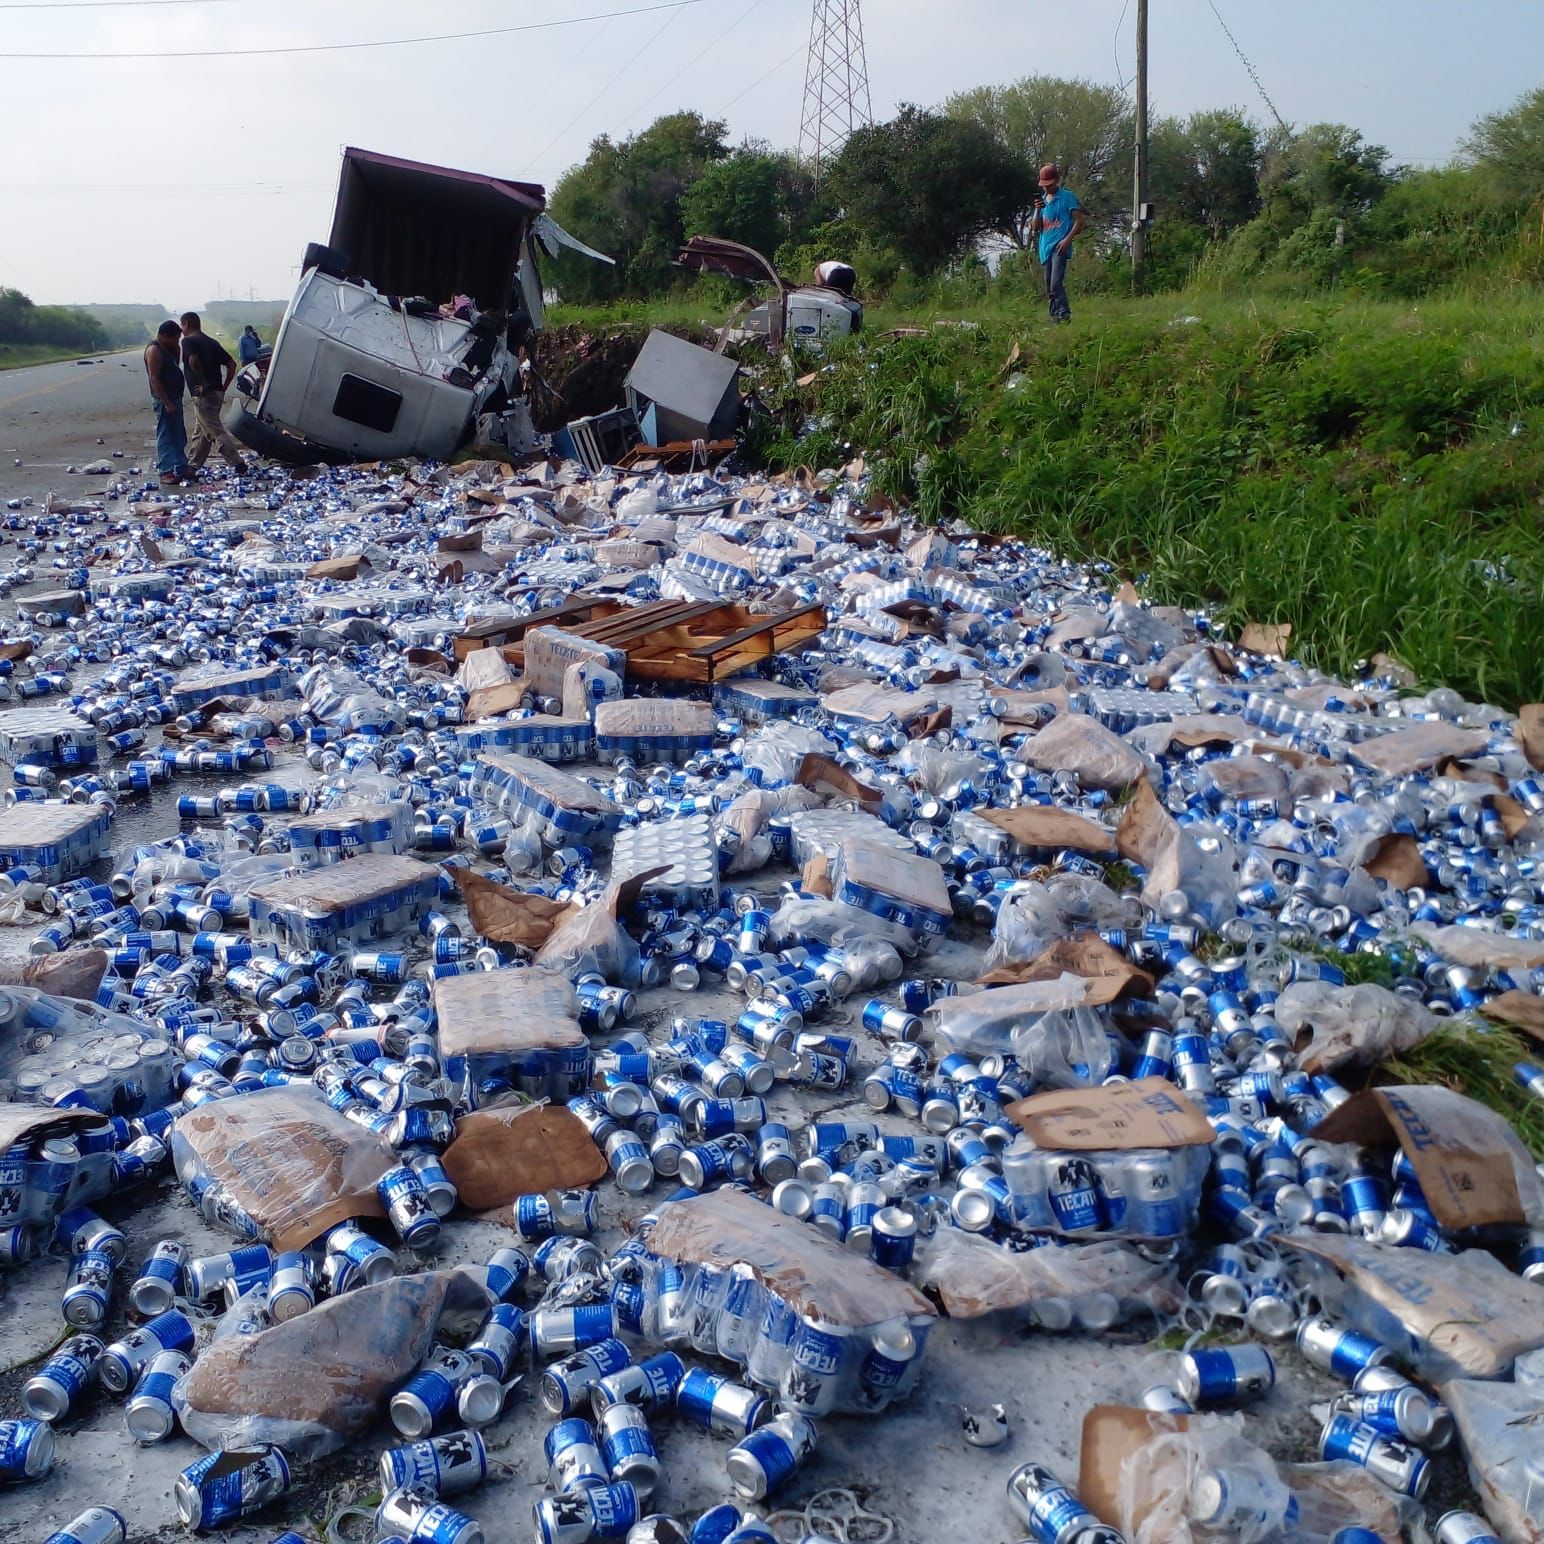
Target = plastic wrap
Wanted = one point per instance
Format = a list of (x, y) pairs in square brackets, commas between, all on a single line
[(816, 917), (1356, 1026), (818, 1311), (653, 729), (286, 1158), (58, 1049), (1501, 1431), (936, 770), (1088, 1286), (519, 1024), (777, 748), (902, 888), (1073, 742), (1035, 914), (316, 1382), (1136, 1192), (1048, 1025)]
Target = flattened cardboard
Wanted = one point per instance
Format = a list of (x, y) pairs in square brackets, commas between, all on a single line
[(1459, 1147), (344, 567), (1417, 748), (1466, 1314), (1124, 1116), (1111, 1435), (1108, 971), (1518, 1010), (815, 1276), (1530, 733), (823, 775), (22, 1122), (1397, 859), (506, 1013), (505, 916), (1048, 826), (1266, 638), (490, 701), (524, 1150), (1077, 743)]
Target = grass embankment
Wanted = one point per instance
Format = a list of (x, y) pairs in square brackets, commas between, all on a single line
[(1370, 472), (13, 356)]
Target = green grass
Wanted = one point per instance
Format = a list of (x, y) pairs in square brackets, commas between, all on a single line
[(1477, 1059), (1369, 471), (15, 356)]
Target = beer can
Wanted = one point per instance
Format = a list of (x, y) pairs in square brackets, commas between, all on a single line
[(160, 1280), (149, 1414), (627, 1445), (445, 1465), (574, 1460), (499, 1341), (1226, 1374), (413, 1515), (88, 1290), (96, 1525), (125, 1359), (764, 1460), (719, 1404), (64, 1380), (1395, 1463), (291, 1288), (650, 1384), (222, 1487), (595, 1512), (566, 1385)]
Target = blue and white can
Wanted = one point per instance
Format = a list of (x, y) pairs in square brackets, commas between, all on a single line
[(499, 1341), (574, 1460), (64, 1380), (223, 1487), (445, 1465), (88, 1291), (763, 1461), (96, 1525), (595, 1512), (125, 1359), (150, 1415)]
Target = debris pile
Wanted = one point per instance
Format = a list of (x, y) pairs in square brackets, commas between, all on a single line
[(609, 956)]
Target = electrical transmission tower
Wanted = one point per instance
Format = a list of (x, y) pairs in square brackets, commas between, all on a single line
[(836, 88)]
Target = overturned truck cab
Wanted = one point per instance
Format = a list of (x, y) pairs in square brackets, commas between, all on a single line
[(406, 332)]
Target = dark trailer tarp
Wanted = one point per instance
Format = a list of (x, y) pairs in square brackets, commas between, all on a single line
[(414, 229)]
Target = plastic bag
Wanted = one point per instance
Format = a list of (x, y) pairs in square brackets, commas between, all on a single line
[(316, 1382), (1057, 1039), (1034, 914), (1351, 1025), (777, 748), (1501, 1431), (814, 916), (1073, 742), (935, 770)]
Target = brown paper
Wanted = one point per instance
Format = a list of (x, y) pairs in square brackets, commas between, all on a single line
[(1469, 1310), (1266, 638), (1111, 1435), (344, 567), (1076, 743), (1530, 733), (1048, 826), (500, 1154), (1397, 859), (813, 1275), (489, 701), (1462, 1150), (505, 916), (295, 1164), (1518, 1010), (1086, 955), (22, 1122), (1123, 1117), (75, 973), (1417, 748), (823, 775), (816, 875)]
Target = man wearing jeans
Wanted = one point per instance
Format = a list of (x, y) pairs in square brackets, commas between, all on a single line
[(165, 377), (210, 371), (1058, 218)]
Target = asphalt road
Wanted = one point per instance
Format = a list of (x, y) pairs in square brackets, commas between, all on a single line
[(56, 416)]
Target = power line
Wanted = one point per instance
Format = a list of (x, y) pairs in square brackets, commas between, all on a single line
[(744, 16), (1253, 73), (331, 48), (766, 75)]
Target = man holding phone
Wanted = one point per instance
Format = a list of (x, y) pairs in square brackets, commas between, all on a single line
[(1058, 219)]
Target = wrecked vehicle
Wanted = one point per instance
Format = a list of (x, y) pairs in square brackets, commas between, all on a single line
[(808, 314), (407, 331)]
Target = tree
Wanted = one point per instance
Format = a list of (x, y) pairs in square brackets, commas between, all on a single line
[(625, 200), (65, 327), (1087, 129), (927, 186), (1510, 146), (1325, 167), (1205, 171), (758, 196)]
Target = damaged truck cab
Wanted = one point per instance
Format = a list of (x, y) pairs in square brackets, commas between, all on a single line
[(405, 334)]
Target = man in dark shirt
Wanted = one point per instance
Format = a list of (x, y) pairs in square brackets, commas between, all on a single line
[(210, 370), (165, 377)]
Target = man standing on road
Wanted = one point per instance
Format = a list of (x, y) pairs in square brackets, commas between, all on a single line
[(210, 371), (1058, 218), (165, 375), (248, 345)]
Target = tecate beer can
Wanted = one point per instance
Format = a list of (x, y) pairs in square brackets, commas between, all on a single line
[(64, 1380), (223, 1487), (291, 1288), (80, 1229), (429, 1396), (124, 1360), (1336, 1350), (597, 1512), (557, 1331), (1464, 1528), (893, 1239), (149, 1414), (1053, 1513), (507, 1270), (573, 1454), (414, 1515), (88, 1290), (650, 1384), (499, 1341), (96, 1525), (207, 1276), (762, 1462), (1395, 1463), (408, 1210), (566, 1385), (1226, 1374), (719, 1404), (445, 1465), (160, 1281), (627, 1445)]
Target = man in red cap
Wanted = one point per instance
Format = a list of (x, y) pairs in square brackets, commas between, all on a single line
[(1058, 218)]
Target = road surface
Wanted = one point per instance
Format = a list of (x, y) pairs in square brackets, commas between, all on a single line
[(65, 414)]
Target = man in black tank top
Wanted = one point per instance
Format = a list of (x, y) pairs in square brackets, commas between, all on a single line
[(165, 376)]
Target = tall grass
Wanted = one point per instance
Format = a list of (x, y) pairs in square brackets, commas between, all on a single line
[(1370, 471)]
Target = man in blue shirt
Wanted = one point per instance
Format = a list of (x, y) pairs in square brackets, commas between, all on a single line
[(1058, 218), (248, 345)]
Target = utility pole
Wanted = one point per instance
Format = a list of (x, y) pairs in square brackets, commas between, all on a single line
[(1139, 210)]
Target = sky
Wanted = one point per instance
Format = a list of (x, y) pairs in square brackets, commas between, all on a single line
[(177, 179)]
